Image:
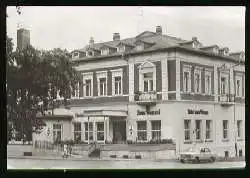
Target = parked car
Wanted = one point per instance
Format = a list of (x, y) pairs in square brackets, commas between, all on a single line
[(197, 155)]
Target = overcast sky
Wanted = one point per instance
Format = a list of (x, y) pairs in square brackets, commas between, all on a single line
[(71, 27)]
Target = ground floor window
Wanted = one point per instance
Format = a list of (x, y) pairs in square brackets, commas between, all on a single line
[(240, 153), (57, 132), (88, 131), (208, 129), (197, 129), (187, 129), (142, 130), (77, 131), (226, 154), (225, 129), (156, 130), (239, 128), (100, 131)]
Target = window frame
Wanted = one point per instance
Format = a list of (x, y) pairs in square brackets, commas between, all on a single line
[(239, 77), (157, 131), (198, 131), (77, 131), (87, 76), (149, 81), (139, 131), (186, 68), (90, 131), (239, 129), (197, 70), (102, 131), (76, 91), (105, 51), (226, 76), (100, 75), (225, 130), (209, 129), (208, 89), (117, 73), (146, 67), (187, 130), (56, 130)]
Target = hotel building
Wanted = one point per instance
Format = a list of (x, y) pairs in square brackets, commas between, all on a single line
[(155, 87)]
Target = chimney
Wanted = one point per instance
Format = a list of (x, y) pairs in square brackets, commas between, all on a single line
[(116, 36), (194, 39), (158, 30), (91, 41)]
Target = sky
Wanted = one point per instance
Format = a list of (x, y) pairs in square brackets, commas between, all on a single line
[(71, 27)]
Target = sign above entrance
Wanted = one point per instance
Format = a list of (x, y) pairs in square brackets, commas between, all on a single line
[(202, 112), (148, 112)]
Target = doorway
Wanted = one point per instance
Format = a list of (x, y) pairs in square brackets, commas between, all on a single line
[(119, 131)]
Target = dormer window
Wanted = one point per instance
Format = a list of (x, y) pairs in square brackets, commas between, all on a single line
[(121, 48), (140, 47), (90, 53), (105, 51), (75, 54)]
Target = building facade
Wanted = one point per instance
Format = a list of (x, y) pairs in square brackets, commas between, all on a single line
[(23, 38), (157, 87)]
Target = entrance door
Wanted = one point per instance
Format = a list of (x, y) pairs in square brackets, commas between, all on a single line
[(119, 131)]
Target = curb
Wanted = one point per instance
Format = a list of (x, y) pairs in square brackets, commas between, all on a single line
[(88, 159)]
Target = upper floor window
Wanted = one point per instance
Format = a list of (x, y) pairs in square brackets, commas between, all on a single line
[(103, 86), (223, 85), (117, 81), (148, 82), (197, 80), (187, 78), (238, 85), (208, 81), (88, 84), (118, 85), (147, 77), (102, 83), (88, 87), (75, 90)]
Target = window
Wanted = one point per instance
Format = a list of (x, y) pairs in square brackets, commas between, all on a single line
[(100, 131), (237, 87), (90, 53), (186, 78), (197, 81), (75, 90), (187, 129), (223, 85), (88, 87), (88, 130), (208, 82), (239, 128), (75, 54), (156, 130), (118, 85), (103, 86), (148, 82), (139, 47), (77, 131), (197, 129), (121, 48), (105, 51), (142, 130), (57, 132), (225, 129), (208, 129)]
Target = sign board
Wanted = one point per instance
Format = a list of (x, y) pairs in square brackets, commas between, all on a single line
[(201, 112), (148, 112)]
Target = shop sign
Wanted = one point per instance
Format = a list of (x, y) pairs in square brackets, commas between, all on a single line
[(148, 112), (202, 112)]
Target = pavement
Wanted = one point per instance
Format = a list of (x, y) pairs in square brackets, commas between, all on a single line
[(13, 163)]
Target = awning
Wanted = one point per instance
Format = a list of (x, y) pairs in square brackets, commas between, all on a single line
[(108, 113)]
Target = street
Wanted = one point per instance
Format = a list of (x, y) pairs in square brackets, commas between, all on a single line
[(126, 164)]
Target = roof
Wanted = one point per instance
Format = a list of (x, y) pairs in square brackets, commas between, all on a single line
[(157, 42), (55, 117), (212, 46)]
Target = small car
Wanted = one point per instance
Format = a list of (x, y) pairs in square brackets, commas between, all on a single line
[(197, 154)]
